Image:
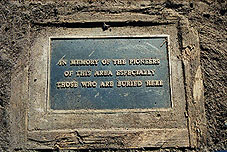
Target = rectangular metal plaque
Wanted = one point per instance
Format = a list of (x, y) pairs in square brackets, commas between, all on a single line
[(109, 73)]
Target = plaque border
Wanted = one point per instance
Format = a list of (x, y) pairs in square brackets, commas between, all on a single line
[(37, 107)]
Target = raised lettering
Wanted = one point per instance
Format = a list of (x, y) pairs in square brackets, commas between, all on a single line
[(87, 62), (67, 84), (143, 72), (83, 73), (107, 84), (144, 61), (88, 84), (129, 83), (154, 83), (119, 61), (103, 73)]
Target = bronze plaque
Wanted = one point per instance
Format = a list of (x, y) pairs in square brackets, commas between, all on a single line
[(109, 73)]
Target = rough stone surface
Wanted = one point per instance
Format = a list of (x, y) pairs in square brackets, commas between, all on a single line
[(20, 22)]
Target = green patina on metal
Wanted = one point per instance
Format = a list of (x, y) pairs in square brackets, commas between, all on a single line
[(109, 73)]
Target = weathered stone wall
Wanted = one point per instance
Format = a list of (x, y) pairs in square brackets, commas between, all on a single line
[(20, 23)]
